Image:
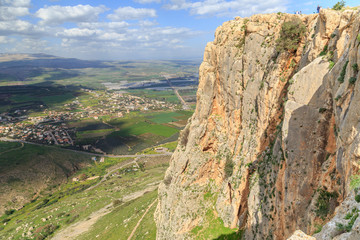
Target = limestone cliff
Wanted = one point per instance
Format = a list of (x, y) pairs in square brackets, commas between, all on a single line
[(275, 136)]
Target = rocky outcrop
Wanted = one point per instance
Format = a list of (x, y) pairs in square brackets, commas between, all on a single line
[(275, 135)]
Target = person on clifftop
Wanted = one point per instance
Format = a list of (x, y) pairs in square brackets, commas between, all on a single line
[(318, 9)]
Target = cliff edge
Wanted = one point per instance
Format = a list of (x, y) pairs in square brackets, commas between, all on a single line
[(274, 141)]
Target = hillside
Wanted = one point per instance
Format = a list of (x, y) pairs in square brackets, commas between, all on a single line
[(29, 171), (273, 145)]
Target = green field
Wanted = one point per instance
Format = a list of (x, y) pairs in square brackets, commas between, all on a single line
[(133, 133), (165, 95)]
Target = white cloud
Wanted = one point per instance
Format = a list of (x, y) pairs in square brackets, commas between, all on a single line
[(130, 13), (11, 9), (78, 33), (5, 40), (230, 8), (61, 14), (104, 25)]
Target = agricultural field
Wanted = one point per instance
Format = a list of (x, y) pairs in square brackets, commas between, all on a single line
[(133, 133)]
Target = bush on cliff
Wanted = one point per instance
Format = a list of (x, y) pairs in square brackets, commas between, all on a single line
[(339, 5), (290, 36)]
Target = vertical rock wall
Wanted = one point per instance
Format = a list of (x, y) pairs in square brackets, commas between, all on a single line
[(273, 135)]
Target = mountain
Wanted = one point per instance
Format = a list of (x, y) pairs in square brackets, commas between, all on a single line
[(274, 144)]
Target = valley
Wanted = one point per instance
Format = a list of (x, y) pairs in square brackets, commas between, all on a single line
[(84, 144)]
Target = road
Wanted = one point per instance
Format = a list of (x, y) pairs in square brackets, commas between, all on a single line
[(185, 105), (87, 153)]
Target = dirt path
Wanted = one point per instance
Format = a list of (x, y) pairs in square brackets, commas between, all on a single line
[(138, 223), (76, 229), (13, 149)]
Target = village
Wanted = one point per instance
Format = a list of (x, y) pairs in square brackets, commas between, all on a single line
[(50, 126)]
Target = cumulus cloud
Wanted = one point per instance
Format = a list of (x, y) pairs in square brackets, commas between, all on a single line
[(61, 14), (11, 9), (130, 13), (230, 8), (20, 27)]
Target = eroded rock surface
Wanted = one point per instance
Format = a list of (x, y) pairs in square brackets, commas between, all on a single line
[(273, 141)]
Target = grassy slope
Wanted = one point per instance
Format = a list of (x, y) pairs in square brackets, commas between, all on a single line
[(71, 204), (27, 171)]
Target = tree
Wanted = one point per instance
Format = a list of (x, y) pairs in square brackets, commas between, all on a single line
[(339, 5)]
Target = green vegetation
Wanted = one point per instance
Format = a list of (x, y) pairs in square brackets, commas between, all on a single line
[(331, 64), (343, 72), (71, 203), (326, 203), (339, 5), (357, 198), (229, 167), (318, 228), (355, 67), (351, 216), (214, 229), (355, 181), (290, 36), (324, 51), (352, 80), (116, 225)]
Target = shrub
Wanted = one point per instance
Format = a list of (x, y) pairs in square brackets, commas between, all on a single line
[(355, 66), (229, 167), (117, 202), (324, 202), (9, 211), (322, 110), (331, 64), (290, 36), (339, 5), (72, 219), (357, 198), (343, 72), (352, 80), (324, 51), (333, 35), (358, 37)]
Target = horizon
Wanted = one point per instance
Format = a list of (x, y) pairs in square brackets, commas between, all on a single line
[(137, 30)]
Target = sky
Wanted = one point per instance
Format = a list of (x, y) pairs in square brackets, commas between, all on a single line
[(127, 29)]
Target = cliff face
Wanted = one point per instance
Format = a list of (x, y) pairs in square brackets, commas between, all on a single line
[(275, 136)]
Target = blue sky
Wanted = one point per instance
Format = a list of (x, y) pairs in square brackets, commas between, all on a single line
[(127, 29)]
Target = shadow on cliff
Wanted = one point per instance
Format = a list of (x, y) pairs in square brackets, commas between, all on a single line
[(232, 236)]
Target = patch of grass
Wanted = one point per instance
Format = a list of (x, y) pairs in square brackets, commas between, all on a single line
[(354, 181), (331, 64), (119, 223)]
